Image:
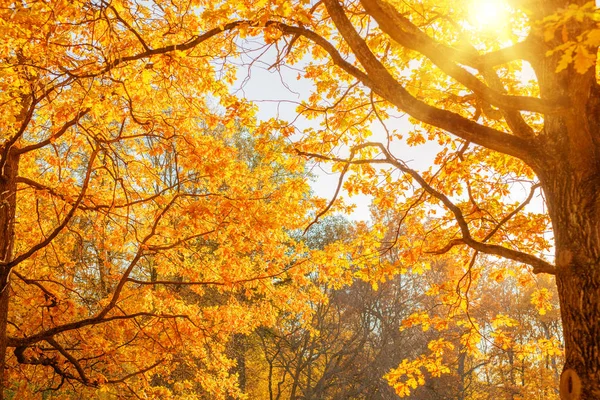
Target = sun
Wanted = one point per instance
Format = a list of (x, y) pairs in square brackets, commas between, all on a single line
[(488, 14)]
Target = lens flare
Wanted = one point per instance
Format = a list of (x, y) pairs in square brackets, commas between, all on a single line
[(488, 14)]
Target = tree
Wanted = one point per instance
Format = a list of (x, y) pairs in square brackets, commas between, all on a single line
[(345, 346), (353, 339), (121, 181), (67, 63), (413, 328), (505, 343), (468, 92), (550, 137)]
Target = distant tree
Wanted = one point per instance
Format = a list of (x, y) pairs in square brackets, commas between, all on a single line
[(353, 339), (505, 344)]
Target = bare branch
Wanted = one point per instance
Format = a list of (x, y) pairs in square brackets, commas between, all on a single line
[(509, 216), (335, 195)]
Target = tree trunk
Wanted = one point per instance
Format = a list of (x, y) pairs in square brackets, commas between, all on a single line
[(572, 198), (8, 193), (569, 170), (462, 356), (579, 291)]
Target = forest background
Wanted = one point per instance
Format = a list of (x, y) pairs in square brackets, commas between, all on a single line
[(159, 235)]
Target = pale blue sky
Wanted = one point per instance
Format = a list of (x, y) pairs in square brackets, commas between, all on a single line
[(277, 94)]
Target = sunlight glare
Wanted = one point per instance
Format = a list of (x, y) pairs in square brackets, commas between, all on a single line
[(488, 14)]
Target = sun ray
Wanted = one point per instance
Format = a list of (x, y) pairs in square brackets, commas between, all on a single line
[(488, 14)]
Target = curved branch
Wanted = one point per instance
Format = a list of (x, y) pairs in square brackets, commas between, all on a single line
[(217, 283), (49, 333), (509, 216), (518, 51), (335, 195), (513, 118), (47, 293), (58, 134), (130, 28), (138, 372), (383, 83), (43, 360), (539, 265), (17, 260), (69, 357), (163, 50), (410, 36), (98, 207), (54, 363)]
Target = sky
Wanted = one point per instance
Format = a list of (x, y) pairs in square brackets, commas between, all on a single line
[(277, 93)]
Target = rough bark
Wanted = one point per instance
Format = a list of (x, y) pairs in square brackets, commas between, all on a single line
[(574, 209), (8, 191), (571, 181)]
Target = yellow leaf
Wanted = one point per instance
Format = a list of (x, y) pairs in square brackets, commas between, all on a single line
[(583, 60), (146, 76), (593, 37), (565, 60)]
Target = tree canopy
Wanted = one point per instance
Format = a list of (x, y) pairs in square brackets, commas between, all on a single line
[(150, 223)]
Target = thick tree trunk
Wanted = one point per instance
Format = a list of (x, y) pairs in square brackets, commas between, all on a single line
[(569, 170), (579, 291), (8, 192), (575, 211)]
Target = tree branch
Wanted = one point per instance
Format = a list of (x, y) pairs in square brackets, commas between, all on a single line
[(58, 134), (539, 265), (335, 195), (216, 283), (138, 372), (47, 293), (382, 83), (509, 216), (69, 357), (17, 260), (43, 360), (405, 33), (162, 50), (49, 333)]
